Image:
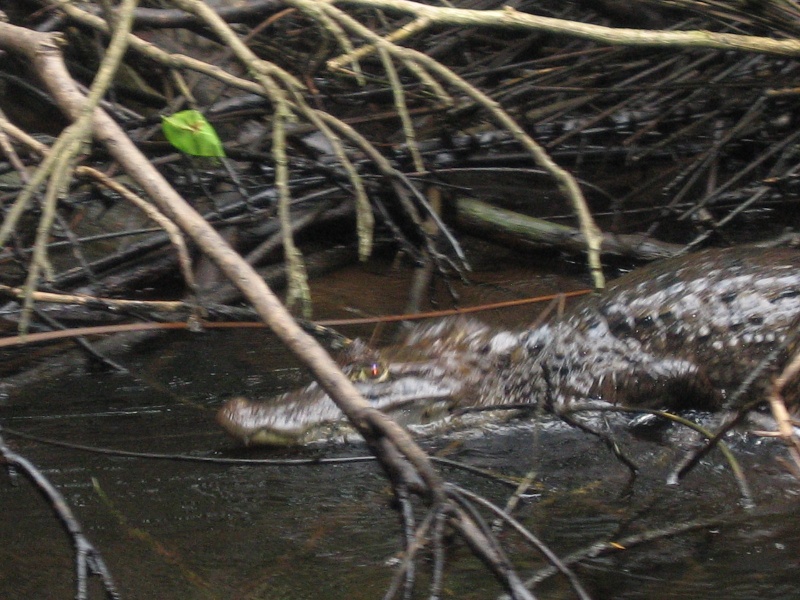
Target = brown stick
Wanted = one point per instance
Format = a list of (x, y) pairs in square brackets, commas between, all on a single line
[(404, 462), (43, 52)]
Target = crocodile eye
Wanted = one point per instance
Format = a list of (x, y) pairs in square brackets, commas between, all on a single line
[(371, 372)]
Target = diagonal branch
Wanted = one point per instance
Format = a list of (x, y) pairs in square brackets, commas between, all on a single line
[(42, 50)]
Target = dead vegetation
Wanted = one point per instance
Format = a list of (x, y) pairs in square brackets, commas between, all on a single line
[(365, 112)]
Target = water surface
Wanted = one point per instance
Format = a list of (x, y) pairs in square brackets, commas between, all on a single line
[(176, 529)]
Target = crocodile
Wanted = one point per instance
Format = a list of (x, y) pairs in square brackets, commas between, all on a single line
[(707, 330)]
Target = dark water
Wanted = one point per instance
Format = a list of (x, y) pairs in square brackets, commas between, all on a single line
[(174, 529)]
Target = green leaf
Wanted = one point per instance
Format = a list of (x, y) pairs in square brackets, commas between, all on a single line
[(190, 133)]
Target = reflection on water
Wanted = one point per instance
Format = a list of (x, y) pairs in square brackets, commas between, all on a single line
[(186, 530)]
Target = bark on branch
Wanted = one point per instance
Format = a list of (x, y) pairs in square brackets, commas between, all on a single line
[(509, 18), (43, 52), (401, 458)]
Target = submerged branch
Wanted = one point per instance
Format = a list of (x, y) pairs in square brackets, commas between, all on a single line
[(402, 459), (88, 560)]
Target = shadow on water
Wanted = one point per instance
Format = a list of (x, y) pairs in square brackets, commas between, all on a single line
[(173, 529)]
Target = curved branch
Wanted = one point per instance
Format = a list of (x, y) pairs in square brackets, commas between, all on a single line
[(42, 51), (509, 18)]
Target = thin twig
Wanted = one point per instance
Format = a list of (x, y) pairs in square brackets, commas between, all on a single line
[(88, 560)]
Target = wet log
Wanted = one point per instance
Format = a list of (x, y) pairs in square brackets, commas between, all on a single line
[(522, 231)]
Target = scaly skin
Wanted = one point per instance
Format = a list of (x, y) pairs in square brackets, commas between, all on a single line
[(682, 333)]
